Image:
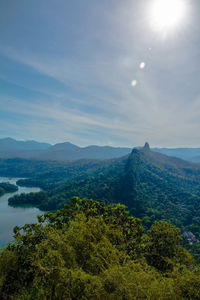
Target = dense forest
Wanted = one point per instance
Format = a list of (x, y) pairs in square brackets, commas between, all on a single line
[(90, 250), (48, 174)]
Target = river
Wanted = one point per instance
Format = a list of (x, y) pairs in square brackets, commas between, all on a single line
[(12, 216)]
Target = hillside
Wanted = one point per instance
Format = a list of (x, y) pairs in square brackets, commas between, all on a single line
[(49, 174)]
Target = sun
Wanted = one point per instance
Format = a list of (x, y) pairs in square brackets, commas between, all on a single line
[(166, 15)]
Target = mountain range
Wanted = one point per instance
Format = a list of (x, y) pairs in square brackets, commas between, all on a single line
[(10, 148), (190, 154)]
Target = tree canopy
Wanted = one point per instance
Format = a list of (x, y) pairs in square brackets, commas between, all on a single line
[(90, 250)]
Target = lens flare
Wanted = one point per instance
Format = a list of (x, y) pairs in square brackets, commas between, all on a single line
[(133, 83)]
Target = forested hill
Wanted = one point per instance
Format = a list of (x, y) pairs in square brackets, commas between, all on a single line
[(161, 187), (150, 184)]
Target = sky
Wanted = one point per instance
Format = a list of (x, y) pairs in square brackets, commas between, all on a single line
[(96, 72)]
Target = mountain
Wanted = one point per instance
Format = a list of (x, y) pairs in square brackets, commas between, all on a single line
[(196, 159), (190, 154), (63, 147), (63, 152), (69, 152), (10, 148), (9, 144)]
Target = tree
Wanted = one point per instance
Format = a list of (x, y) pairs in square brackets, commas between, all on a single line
[(163, 245)]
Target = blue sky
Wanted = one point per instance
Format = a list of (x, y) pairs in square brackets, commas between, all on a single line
[(66, 69)]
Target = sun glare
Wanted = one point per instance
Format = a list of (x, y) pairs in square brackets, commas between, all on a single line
[(167, 14)]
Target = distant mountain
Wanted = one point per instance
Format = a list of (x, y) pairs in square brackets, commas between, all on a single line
[(63, 147), (10, 148), (8, 144), (196, 159), (69, 152), (190, 154)]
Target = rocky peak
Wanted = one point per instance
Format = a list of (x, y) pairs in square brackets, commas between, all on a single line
[(146, 146)]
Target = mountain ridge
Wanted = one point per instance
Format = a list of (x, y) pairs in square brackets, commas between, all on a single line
[(10, 148), (66, 151)]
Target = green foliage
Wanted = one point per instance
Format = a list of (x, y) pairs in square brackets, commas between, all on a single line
[(163, 245), (90, 250)]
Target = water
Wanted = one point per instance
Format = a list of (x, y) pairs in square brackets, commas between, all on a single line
[(12, 216)]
